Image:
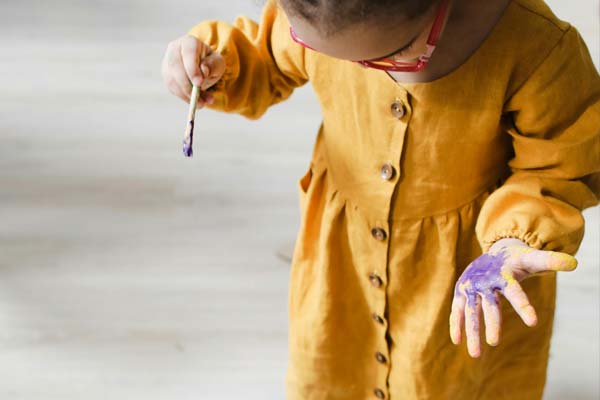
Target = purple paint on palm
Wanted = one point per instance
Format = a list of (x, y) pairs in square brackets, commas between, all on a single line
[(483, 277)]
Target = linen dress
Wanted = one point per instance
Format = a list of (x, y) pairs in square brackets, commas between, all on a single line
[(408, 184)]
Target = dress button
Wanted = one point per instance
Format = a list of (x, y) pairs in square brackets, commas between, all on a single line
[(398, 109), (375, 280), (377, 318), (380, 357), (387, 171), (379, 393), (378, 234)]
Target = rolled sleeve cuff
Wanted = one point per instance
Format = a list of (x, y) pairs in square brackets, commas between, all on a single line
[(530, 238)]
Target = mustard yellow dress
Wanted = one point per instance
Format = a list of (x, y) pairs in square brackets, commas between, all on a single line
[(408, 184)]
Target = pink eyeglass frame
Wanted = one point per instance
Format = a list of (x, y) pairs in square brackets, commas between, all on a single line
[(401, 66)]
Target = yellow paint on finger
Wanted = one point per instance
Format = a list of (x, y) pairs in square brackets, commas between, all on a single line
[(507, 276), (522, 307), (531, 315), (491, 333), (474, 347), (493, 341), (516, 253), (492, 327), (561, 262), (463, 286), (453, 335)]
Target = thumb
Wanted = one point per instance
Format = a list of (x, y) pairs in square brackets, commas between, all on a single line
[(541, 260), (213, 68)]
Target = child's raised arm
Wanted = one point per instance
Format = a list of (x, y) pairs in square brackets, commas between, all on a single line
[(256, 64)]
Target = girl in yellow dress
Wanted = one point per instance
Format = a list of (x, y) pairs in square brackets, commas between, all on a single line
[(460, 141)]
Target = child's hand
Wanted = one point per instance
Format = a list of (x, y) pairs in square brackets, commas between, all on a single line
[(189, 60), (507, 262)]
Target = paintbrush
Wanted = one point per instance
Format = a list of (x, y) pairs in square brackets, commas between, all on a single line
[(188, 139)]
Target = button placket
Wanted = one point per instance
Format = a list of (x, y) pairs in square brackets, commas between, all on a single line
[(379, 228), (400, 110)]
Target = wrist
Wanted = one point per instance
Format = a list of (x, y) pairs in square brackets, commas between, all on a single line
[(505, 242)]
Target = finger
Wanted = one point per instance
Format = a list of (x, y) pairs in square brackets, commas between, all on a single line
[(213, 68), (210, 99), (180, 76), (169, 61), (174, 74), (193, 52), (457, 318), (491, 318), (175, 89), (177, 92), (206, 73), (202, 101), (205, 98), (472, 325), (518, 299), (540, 260)]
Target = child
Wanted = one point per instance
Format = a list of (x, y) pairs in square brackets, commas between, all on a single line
[(460, 141)]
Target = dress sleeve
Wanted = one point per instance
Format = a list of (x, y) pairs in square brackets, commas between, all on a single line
[(263, 64), (555, 128)]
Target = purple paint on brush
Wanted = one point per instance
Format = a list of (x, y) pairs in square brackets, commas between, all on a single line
[(187, 145), (483, 277)]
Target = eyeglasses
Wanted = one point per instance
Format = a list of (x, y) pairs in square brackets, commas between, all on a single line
[(389, 64)]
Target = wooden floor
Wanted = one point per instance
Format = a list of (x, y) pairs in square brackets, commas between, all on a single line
[(130, 272)]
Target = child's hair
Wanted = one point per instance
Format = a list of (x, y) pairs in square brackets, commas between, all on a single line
[(330, 16)]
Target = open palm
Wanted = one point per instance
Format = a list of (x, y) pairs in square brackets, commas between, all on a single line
[(500, 270)]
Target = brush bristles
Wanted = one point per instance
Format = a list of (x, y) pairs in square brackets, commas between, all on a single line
[(188, 141)]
